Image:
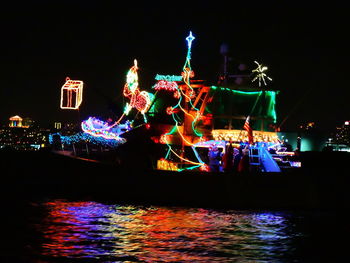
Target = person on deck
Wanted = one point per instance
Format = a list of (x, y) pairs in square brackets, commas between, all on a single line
[(214, 159), (227, 159), (237, 155), (244, 165)]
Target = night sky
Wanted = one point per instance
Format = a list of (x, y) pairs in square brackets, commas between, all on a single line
[(304, 47)]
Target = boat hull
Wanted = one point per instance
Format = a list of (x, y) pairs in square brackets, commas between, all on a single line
[(51, 175)]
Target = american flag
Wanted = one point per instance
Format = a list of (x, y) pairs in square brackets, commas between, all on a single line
[(249, 130)]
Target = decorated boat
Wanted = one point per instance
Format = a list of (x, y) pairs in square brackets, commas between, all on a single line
[(180, 121)]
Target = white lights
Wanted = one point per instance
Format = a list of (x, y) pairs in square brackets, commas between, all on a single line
[(260, 75)]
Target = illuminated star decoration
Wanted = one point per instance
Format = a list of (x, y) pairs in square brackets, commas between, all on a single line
[(71, 94), (189, 40), (187, 74), (260, 75), (187, 71)]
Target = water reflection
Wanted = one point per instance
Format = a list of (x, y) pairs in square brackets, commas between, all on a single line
[(162, 234)]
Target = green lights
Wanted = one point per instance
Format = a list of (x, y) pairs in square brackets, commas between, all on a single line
[(236, 91), (271, 111), (258, 103)]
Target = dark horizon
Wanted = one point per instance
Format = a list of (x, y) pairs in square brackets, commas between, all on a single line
[(304, 48)]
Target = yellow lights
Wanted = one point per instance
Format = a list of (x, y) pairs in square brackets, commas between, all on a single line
[(310, 125), (58, 125), (286, 153), (71, 94), (242, 135), (16, 118), (16, 121), (163, 164), (307, 126)]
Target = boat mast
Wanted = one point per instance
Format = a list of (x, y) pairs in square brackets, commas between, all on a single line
[(224, 50)]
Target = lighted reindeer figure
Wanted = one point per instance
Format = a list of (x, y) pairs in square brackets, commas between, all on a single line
[(140, 100)]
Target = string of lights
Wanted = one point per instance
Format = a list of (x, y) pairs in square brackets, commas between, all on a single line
[(83, 137), (188, 94), (98, 128), (71, 94), (140, 100)]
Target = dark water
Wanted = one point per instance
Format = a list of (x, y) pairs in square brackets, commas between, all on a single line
[(87, 231)]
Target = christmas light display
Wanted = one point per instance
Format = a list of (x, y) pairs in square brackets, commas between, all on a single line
[(168, 77), (189, 40), (184, 94), (212, 143), (166, 85), (71, 94), (164, 164), (242, 136), (270, 98), (83, 137), (140, 100), (183, 137), (170, 110), (260, 75), (98, 128)]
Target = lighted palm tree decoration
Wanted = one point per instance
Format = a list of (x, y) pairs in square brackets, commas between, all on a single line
[(260, 74)]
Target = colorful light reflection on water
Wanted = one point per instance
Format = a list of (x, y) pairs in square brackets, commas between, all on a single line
[(110, 233)]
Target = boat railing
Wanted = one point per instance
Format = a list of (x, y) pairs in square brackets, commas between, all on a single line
[(262, 158)]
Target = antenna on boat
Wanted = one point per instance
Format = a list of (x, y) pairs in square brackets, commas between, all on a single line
[(224, 50), (224, 75)]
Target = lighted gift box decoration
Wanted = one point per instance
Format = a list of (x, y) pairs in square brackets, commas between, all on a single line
[(71, 94)]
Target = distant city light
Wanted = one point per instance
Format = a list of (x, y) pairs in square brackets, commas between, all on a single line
[(16, 121), (58, 125)]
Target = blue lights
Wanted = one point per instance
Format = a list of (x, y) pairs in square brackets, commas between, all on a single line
[(85, 138)]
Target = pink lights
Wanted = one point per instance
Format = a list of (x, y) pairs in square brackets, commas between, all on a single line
[(166, 85)]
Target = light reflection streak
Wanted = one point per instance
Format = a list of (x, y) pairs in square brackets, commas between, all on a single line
[(153, 234)]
